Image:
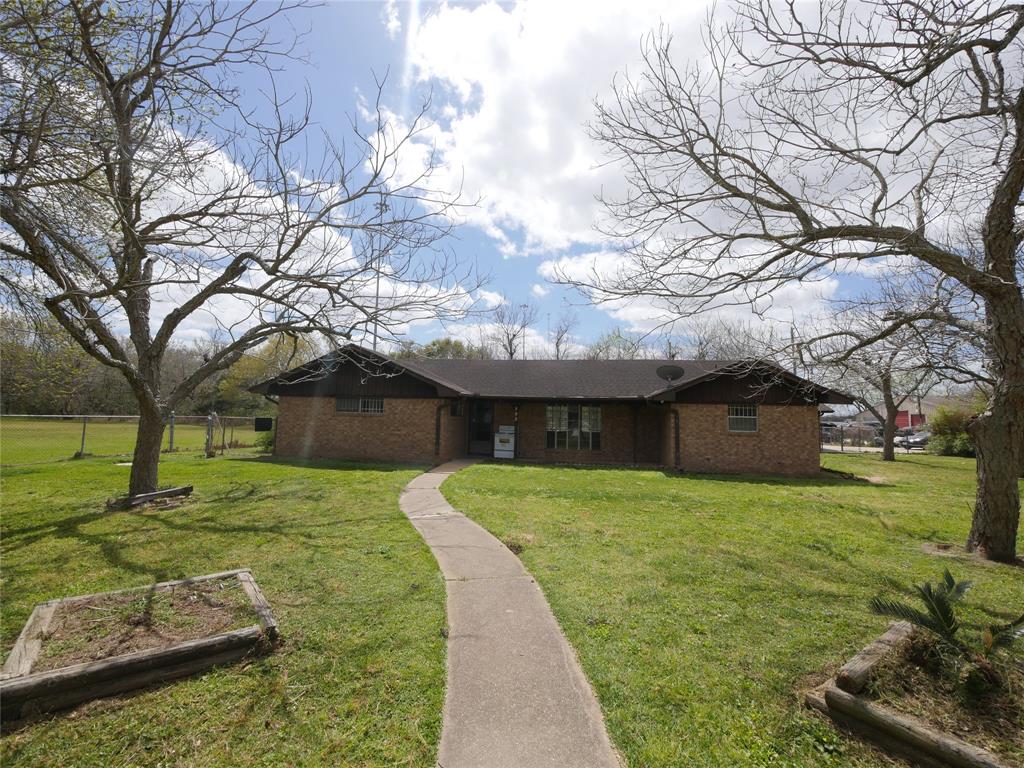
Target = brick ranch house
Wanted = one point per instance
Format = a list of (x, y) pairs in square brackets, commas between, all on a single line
[(693, 415)]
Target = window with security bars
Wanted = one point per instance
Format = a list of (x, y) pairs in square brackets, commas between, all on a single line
[(576, 427), (359, 405), (743, 418), (371, 405)]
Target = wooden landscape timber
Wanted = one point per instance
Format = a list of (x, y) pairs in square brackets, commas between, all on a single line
[(24, 694), (134, 501), (901, 734), (854, 674)]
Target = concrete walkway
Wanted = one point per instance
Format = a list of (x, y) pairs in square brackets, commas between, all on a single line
[(516, 695)]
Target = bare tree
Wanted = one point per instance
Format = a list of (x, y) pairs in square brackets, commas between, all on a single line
[(139, 197), (716, 338), (562, 337), (816, 138), (511, 322), (883, 374), (619, 345)]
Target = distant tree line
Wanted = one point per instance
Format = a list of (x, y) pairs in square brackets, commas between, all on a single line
[(46, 372)]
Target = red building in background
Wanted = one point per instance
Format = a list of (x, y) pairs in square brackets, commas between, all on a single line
[(906, 419)]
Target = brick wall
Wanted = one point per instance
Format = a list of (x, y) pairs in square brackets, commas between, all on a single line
[(310, 427), (668, 437), (786, 441), (617, 435)]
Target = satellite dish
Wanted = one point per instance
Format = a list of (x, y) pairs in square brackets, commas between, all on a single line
[(669, 372)]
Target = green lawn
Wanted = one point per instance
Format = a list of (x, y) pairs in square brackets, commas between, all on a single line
[(32, 441), (359, 680), (700, 606)]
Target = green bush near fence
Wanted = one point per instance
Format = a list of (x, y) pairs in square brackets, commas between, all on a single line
[(949, 433), (35, 441)]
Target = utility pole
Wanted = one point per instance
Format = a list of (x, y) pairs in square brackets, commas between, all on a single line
[(378, 253)]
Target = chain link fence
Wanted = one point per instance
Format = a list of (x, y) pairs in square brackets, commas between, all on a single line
[(26, 439)]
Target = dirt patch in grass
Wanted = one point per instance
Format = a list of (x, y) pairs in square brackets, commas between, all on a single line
[(913, 683), (115, 624), (518, 542), (945, 549)]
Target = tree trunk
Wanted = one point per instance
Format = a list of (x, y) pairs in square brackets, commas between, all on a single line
[(999, 443), (999, 438), (889, 426), (146, 460), (889, 437)]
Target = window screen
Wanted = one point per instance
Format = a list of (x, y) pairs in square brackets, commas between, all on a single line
[(743, 418), (576, 427)]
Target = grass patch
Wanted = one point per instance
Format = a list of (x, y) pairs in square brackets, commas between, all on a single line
[(359, 679), (701, 605), (34, 441)]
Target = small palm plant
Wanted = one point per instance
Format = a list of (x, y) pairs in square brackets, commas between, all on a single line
[(972, 662), (938, 617)]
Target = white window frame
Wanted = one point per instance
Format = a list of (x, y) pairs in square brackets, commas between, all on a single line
[(742, 418)]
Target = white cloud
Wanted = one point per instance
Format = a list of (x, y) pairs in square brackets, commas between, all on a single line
[(392, 22), (489, 299), (519, 84), (515, 86), (797, 303), (540, 291)]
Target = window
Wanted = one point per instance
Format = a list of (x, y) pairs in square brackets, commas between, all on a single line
[(575, 427), (359, 405), (371, 405), (743, 418), (347, 405), (456, 407)]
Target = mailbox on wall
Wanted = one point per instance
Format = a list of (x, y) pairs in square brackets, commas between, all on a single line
[(264, 424)]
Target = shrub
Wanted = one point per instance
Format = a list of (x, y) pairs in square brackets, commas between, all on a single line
[(265, 440), (949, 433), (973, 664)]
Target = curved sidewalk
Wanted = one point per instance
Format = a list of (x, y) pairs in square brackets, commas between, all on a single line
[(516, 696)]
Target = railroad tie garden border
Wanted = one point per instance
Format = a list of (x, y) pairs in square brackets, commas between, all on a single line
[(907, 736), (24, 693)]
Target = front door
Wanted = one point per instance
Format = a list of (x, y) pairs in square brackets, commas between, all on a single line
[(481, 427)]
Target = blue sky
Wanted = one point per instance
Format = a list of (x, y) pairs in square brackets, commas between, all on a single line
[(513, 85)]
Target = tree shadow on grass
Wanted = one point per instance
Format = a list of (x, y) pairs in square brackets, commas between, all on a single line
[(825, 478), (127, 531), (330, 464)]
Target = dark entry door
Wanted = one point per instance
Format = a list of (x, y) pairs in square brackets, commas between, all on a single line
[(481, 427)]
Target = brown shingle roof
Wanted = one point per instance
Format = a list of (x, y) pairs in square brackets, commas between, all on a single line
[(547, 379), (559, 379)]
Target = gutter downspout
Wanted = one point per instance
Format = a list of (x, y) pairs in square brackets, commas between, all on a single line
[(636, 412), (437, 428), (675, 430)]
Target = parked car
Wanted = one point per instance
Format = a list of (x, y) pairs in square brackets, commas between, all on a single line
[(919, 440)]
